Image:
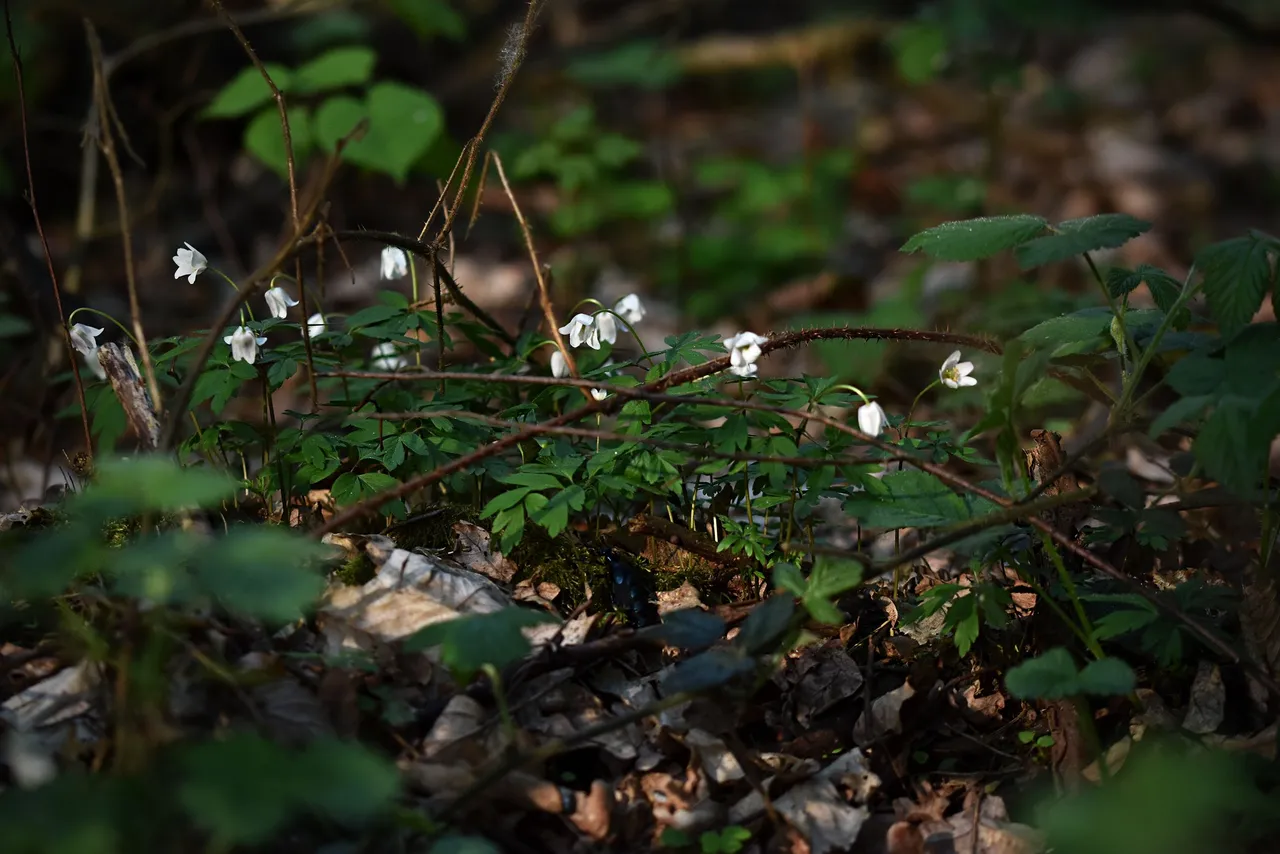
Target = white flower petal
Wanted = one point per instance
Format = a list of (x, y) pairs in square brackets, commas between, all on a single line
[(871, 419), (559, 367), (82, 338), (279, 302), (395, 264), (606, 326), (599, 393), (316, 325), (630, 309), (190, 263), (244, 345)]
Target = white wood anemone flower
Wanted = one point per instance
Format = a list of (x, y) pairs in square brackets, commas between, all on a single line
[(83, 339), (386, 357), (630, 309), (955, 373), (744, 350), (279, 302), (607, 326), (599, 393), (582, 329), (871, 419), (317, 325), (191, 263), (395, 264), (245, 345), (559, 367)]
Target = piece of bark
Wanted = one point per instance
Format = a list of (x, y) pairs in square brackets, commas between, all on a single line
[(126, 381)]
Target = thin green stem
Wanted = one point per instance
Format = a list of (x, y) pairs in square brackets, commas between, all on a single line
[(122, 327)]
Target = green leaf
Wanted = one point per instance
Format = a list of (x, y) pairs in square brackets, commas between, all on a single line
[(974, 239), (710, 669), (244, 789), (1107, 677), (153, 483), (264, 139), (1080, 332), (763, 630), (335, 118), (1236, 275), (469, 642), (787, 576), (261, 572), (689, 628), (403, 123), (921, 50), (643, 63), (1120, 622), (963, 616), (831, 577), (1078, 236), (912, 499), (1046, 677), (333, 69), (246, 92), (373, 314), (1227, 450), (429, 18)]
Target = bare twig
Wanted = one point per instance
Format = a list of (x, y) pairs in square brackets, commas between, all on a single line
[(44, 241), (107, 143), (544, 296)]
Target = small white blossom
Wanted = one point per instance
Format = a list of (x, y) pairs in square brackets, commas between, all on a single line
[(279, 302), (244, 344), (630, 309), (82, 338), (599, 393), (386, 357), (744, 349), (582, 329), (871, 419), (955, 373), (559, 367), (395, 264), (316, 325), (607, 325), (190, 263)]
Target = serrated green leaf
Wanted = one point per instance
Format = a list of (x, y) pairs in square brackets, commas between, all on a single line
[(1236, 275), (975, 239), (152, 483), (963, 617), (643, 63), (1121, 622), (689, 628), (1049, 676), (261, 572), (431, 17), (246, 92), (1078, 236), (912, 499), (1225, 449), (787, 576), (333, 69), (831, 577), (1180, 410), (708, 670)]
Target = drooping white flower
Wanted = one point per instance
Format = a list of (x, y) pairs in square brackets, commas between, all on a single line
[(599, 393), (871, 419), (386, 357), (190, 263), (955, 373), (744, 349), (395, 264), (82, 338), (317, 325), (607, 326), (559, 366), (582, 329), (244, 344), (279, 302), (630, 309)]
